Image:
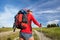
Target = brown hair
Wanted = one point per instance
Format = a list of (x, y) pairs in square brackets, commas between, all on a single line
[(29, 10)]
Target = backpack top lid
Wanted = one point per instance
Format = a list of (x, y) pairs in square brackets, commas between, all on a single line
[(22, 11)]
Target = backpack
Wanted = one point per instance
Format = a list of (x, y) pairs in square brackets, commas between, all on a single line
[(23, 18)]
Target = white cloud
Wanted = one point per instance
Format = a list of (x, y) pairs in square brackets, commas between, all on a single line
[(54, 21), (6, 17), (38, 5), (56, 10), (49, 11)]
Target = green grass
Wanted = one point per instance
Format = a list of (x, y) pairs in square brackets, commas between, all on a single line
[(35, 36), (10, 36), (53, 33), (5, 29)]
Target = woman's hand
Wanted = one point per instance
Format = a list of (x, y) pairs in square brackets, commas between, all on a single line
[(40, 25)]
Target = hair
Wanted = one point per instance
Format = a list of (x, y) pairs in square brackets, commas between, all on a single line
[(29, 10)]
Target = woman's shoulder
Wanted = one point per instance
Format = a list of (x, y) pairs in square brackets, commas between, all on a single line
[(30, 14)]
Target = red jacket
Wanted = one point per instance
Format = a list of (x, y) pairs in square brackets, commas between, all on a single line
[(31, 19)]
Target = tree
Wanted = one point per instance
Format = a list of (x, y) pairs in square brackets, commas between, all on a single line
[(48, 25), (57, 25), (3, 27), (53, 25)]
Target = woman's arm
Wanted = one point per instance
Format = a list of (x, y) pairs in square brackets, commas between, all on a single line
[(35, 21)]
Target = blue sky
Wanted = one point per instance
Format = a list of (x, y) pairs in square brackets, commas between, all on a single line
[(45, 11)]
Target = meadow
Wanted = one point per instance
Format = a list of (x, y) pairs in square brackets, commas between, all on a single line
[(53, 33), (5, 29), (13, 35), (35, 36), (10, 35)]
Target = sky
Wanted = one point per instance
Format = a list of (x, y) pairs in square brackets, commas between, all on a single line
[(45, 11)]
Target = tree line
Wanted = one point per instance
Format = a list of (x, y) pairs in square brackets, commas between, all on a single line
[(52, 25)]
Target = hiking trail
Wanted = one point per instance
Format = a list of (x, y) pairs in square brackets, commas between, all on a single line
[(41, 36)]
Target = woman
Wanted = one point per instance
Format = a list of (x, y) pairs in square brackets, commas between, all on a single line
[(26, 34)]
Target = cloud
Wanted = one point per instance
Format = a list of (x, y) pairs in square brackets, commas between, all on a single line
[(49, 11), (39, 9), (44, 6), (38, 5), (48, 14), (7, 16), (54, 21)]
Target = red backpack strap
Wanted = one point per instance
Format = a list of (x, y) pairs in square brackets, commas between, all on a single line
[(20, 17)]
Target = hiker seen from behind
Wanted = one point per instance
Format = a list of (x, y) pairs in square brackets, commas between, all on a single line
[(23, 21)]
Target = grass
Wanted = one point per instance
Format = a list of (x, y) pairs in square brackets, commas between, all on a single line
[(15, 35), (5, 29), (53, 33), (35, 36), (10, 36)]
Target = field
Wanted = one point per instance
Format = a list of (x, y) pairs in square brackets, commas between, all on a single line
[(8, 34), (53, 33), (12, 35), (9, 37), (5, 29), (35, 36)]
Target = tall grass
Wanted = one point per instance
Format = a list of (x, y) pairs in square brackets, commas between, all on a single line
[(10, 36), (5, 29), (35, 36), (53, 33)]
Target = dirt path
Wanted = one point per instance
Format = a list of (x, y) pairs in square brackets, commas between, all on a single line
[(41, 36)]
